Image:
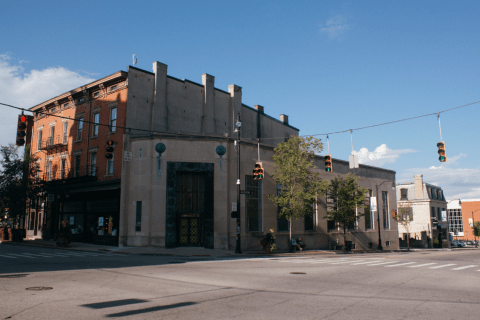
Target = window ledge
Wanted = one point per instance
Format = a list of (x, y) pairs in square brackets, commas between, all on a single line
[(76, 141)]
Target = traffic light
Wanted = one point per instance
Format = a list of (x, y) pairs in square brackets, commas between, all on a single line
[(109, 149), (21, 130), (258, 172), (328, 163), (442, 152)]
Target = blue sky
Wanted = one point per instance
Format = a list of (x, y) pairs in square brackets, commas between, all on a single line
[(329, 65)]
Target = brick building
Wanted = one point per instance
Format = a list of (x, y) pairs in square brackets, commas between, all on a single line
[(172, 180), (464, 215)]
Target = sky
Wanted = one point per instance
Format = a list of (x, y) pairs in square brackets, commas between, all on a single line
[(329, 65)]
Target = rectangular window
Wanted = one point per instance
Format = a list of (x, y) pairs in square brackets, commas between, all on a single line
[(52, 134), (253, 206), (93, 164), (403, 194), (80, 100), (96, 94), (432, 212), (138, 217), (113, 88), (110, 164), (96, 120), (113, 119), (331, 225), (76, 172), (66, 105), (62, 168), (368, 212), (49, 171), (65, 132), (439, 214), (39, 143), (352, 224), (310, 218), (282, 223), (79, 128), (386, 216)]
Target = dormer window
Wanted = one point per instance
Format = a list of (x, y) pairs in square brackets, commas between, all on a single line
[(96, 94), (113, 88), (52, 110), (66, 105), (403, 194)]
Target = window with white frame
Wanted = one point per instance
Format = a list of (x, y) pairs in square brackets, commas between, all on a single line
[(96, 120), (76, 168), (62, 168), (110, 164), (368, 212), (79, 128), (253, 207), (65, 132), (52, 135), (113, 119), (93, 164), (49, 170)]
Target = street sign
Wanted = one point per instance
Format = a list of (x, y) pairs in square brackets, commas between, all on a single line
[(234, 206), (235, 215), (249, 192)]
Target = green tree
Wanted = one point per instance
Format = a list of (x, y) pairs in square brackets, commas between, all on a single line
[(346, 195), (17, 181), (404, 216), (299, 185), (476, 229)]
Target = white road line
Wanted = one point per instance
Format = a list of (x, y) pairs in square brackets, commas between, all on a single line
[(36, 255), (400, 264), (466, 267), (348, 261), (20, 255), (379, 264), (422, 265), (1, 255), (55, 254), (443, 266), (368, 262)]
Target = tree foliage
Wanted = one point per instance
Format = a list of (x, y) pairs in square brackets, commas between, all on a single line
[(476, 229), (404, 216), (299, 186), (345, 195)]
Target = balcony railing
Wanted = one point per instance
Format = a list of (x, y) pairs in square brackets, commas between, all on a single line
[(53, 142), (84, 173)]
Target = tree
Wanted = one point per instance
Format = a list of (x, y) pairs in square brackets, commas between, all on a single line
[(476, 229), (404, 216), (17, 181), (345, 195), (299, 186)]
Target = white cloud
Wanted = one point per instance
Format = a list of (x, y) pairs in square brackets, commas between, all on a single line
[(26, 89), (335, 26), (382, 155), (456, 183)]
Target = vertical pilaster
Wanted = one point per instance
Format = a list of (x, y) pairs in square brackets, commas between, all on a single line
[(159, 109), (208, 121), (235, 105)]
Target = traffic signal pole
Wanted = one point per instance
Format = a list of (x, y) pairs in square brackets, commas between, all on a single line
[(238, 124)]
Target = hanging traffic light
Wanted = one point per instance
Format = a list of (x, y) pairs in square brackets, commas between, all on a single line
[(328, 163), (258, 172), (442, 152), (21, 130), (109, 149)]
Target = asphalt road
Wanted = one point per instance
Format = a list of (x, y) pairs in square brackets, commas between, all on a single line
[(40, 283)]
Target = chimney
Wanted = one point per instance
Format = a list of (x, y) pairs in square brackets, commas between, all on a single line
[(284, 118), (259, 108), (418, 186)]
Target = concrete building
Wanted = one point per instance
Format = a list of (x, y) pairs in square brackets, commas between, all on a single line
[(427, 203), (172, 180)]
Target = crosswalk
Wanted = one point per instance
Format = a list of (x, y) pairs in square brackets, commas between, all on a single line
[(56, 254), (371, 262)]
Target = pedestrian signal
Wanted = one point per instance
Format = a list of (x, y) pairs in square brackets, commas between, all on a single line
[(328, 163), (109, 149), (258, 172), (442, 152)]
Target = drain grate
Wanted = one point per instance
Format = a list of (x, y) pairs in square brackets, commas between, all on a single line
[(14, 276), (298, 273), (39, 288)]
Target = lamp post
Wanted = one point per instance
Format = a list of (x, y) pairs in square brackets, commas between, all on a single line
[(238, 125), (380, 247)]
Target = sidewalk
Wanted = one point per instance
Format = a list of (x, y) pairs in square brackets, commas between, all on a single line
[(187, 251)]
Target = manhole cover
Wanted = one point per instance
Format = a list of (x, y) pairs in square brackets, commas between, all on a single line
[(13, 276), (298, 273), (39, 288)]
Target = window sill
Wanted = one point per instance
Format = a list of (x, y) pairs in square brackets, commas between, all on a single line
[(76, 141), (94, 137)]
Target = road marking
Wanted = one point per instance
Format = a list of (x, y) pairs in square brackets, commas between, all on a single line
[(422, 265), (445, 265), (466, 267), (1, 255), (348, 261), (378, 264), (23, 256), (400, 264), (35, 254), (366, 262)]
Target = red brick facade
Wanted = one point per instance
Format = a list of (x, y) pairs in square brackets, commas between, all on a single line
[(469, 207)]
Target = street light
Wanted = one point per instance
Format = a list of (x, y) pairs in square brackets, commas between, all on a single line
[(380, 247), (238, 125)]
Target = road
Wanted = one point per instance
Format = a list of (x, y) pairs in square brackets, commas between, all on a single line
[(44, 283)]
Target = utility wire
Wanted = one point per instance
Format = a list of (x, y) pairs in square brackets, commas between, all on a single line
[(312, 135)]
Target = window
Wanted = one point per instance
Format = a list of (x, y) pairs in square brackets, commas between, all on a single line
[(455, 220), (110, 164), (432, 212), (66, 105), (80, 100), (310, 218), (253, 207), (331, 225), (138, 217), (62, 168), (439, 214), (39, 142), (96, 119), (351, 225), (65, 132), (79, 128), (113, 88), (113, 119), (49, 171), (76, 172), (403, 194), (93, 164), (52, 134), (331, 206), (368, 212), (386, 220)]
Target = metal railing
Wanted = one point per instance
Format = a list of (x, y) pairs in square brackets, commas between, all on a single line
[(51, 142), (78, 173)]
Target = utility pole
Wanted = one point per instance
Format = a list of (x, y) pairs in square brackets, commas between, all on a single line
[(238, 125), (380, 247)]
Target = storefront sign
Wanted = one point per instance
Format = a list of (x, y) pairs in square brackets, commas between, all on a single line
[(100, 221)]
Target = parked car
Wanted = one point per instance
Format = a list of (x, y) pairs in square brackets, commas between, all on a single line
[(458, 244)]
